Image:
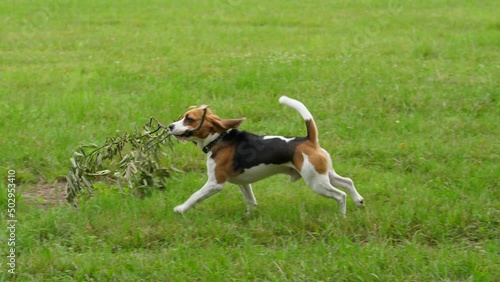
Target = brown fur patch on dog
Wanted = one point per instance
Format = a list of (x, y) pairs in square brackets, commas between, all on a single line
[(224, 163), (315, 156)]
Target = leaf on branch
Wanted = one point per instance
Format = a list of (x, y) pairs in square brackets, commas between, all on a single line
[(99, 173)]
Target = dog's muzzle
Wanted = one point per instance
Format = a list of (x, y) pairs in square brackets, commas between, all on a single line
[(186, 134)]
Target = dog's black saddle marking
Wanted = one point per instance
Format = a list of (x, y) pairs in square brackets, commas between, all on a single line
[(252, 150)]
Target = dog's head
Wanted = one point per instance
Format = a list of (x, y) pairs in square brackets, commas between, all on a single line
[(201, 122)]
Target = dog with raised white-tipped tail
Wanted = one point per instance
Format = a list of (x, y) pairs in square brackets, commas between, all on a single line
[(243, 158)]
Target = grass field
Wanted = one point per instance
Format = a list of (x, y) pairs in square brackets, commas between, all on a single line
[(405, 95)]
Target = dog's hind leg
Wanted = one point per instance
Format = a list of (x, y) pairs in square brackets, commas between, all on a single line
[(343, 182), (346, 183), (322, 186), (246, 190), (320, 183)]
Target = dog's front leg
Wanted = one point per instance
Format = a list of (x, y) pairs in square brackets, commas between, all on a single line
[(246, 190), (210, 188)]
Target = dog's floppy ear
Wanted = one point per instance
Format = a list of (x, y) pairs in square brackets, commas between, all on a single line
[(202, 107), (225, 124)]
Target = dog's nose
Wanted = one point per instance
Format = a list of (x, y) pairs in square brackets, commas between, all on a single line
[(171, 127)]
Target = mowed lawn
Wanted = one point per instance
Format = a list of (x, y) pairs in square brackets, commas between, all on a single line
[(405, 95)]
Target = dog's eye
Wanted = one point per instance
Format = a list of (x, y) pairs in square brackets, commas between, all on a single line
[(187, 119)]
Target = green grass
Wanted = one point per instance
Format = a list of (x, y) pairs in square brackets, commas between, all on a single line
[(405, 95)]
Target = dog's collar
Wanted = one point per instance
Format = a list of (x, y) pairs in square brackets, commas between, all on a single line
[(207, 148)]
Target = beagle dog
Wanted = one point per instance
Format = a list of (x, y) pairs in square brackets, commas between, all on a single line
[(243, 158)]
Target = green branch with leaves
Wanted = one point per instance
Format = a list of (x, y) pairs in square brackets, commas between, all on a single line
[(131, 160)]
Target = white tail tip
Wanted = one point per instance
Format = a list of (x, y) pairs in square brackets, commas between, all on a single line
[(297, 105), (284, 99)]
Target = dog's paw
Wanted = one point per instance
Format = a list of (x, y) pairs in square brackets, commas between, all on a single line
[(179, 209), (360, 202)]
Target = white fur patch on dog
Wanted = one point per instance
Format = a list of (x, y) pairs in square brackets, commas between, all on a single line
[(279, 137)]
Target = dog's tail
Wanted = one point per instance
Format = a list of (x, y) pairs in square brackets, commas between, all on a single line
[(312, 130)]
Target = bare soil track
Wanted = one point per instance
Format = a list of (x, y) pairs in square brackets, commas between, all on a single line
[(44, 195)]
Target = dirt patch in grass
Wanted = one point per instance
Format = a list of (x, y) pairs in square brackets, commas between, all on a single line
[(45, 195)]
